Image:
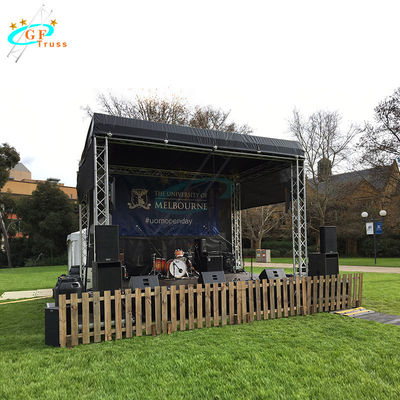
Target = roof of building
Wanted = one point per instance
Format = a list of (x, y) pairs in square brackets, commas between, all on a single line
[(377, 177), (21, 167)]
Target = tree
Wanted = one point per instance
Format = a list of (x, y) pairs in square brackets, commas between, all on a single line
[(9, 157), (380, 142), (258, 222), (47, 217), (173, 110), (325, 146)]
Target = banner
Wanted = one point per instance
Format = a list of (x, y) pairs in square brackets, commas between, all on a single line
[(369, 226), (146, 206)]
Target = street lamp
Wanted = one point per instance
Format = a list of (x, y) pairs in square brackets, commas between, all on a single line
[(374, 222)]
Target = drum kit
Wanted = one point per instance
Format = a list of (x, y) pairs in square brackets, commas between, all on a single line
[(177, 267)]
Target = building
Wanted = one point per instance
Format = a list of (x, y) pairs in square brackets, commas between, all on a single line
[(20, 183), (351, 193)]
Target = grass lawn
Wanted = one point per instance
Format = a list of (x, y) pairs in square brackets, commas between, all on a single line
[(30, 278), (360, 261), (381, 292), (322, 356)]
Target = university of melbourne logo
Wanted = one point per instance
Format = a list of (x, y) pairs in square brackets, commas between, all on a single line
[(139, 199)]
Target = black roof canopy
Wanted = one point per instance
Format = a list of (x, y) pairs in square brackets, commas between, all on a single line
[(260, 164)]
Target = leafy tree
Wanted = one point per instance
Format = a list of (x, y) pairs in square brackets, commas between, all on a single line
[(380, 142), (174, 110), (47, 216), (9, 157)]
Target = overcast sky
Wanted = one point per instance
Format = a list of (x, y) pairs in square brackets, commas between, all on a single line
[(258, 58)]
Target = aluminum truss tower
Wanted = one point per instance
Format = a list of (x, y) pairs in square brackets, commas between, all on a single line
[(299, 224), (84, 224), (236, 226), (101, 209), (100, 203)]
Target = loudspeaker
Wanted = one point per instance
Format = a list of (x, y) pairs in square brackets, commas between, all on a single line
[(51, 326), (210, 244), (321, 264), (143, 281), (229, 262), (67, 284), (278, 273), (74, 270), (107, 275), (214, 263), (106, 243), (212, 277), (328, 240)]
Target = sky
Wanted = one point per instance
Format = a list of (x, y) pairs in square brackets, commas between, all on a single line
[(259, 59)]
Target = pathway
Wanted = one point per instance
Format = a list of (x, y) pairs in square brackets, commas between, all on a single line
[(342, 268), (25, 294)]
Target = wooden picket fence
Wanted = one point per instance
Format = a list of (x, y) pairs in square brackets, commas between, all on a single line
[(165, 310)]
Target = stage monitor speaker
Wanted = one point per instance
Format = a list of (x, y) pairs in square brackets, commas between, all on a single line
[(107, 275), (107, 243), (212, 277), (143, 281), (278, 273), (328, 240), (321, 264)]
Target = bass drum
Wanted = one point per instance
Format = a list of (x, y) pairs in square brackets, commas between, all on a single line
[(177, 267)]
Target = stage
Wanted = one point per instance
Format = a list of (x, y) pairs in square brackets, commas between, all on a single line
[(169, 189)]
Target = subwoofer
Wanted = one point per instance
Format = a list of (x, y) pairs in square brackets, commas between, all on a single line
[(107, 275), (328, 240), (321, 264)]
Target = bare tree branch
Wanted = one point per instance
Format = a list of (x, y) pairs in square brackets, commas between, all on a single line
[(173, 110)]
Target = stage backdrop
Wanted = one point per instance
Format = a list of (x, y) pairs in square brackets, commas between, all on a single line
[(145, 206)]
